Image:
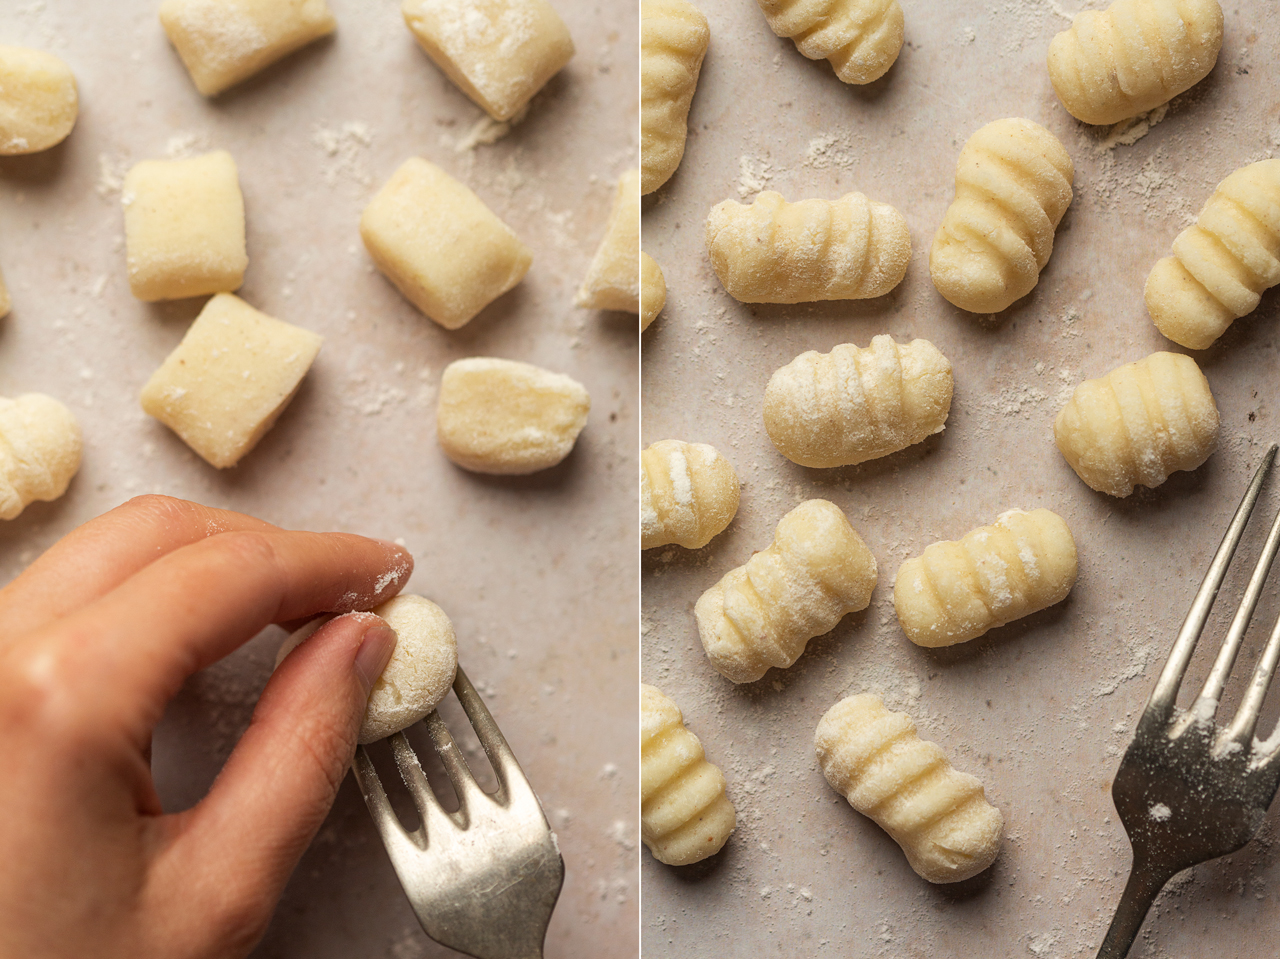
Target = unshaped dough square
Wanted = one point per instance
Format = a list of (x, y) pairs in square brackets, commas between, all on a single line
[(500, 52), (184, 227), (38, 100), (440, 245), (229, 379), (613, 279), (222, 42)]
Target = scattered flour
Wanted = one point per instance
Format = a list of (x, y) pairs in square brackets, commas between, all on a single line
[(344, 146), (754, 175)]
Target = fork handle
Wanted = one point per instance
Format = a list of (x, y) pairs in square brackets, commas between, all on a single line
[(1145, 883)]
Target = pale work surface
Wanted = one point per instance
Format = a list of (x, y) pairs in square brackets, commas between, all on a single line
[(538, 574), (1040, 710)]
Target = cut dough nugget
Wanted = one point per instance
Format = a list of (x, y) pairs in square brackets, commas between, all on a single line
[(958, 591), (38, 100), (939, 816), (499, 52), (688, 494), (39, 451), (673, 40), (613, 280), (6, 304), (861, 38), (653, 290)]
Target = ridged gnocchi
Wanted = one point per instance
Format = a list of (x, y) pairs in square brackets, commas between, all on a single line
[(39, 451), (1013, 185), (764, 613), (1223, 263), (956, 591), (685, 815), (653, 290), (1139, 423), (673, 40), (938, 815), (688, 494), (853, 405), (773, 251), (861, 38), (1135, 55)]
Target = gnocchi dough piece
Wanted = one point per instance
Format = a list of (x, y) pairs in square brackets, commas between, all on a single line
[(653, 290), (688, 494), (229, 379), (778, 252), (39, 451), (419, 673), (38, 100), (673, 40), (499, 52), (440, 245), (6, 304), (853, 405), (762, 614), (184, 227), (505, 417), (222, 42), (685, 815), (613, 280), (861, 38), (957, 591), (1013, 184), (1113, 64), (907, 786), (1139, 423), (1222, 264)]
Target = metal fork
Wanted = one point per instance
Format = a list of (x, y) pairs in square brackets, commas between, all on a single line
[(482, 880), (1188, 790)]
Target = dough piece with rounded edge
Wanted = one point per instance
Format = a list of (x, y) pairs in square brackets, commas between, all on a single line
[(419, 673), (957, 591), (229, 379), (763, 614), (673, 40), (184, 227), (499, 52), (38, 100), (1013, 185), (685, 815), (39, 451), (506, 417), (222, 42), (853, 405), (1223, 263), (6, 304), (773, 251), (440, 245), (688, 494), (1113, 64), (613, 279), (907, 786), (653, 290), (861, 38)]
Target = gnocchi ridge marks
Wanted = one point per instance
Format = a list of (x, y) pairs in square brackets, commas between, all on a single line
[(861, 38), (673, 40)]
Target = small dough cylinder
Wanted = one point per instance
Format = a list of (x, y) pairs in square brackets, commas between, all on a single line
[(38, 100), (39, 451), (1139, 423), (653, 290), (957, 591), (1013, 185), (861, 38), (778, 252), (764, 613), (673, 40), (852, 405), (688, 494), (685, 815), (613, 279), (907, 786)]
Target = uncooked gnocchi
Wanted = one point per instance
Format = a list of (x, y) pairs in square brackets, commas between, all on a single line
[(6, 303), (685, 815), (653, 290), (861, 38), (1222, 264), (778, 252), (764, 613), (1013, 184), (688, 494), (673, 40), (39, 451), (1139, 423), (853, 405), (938, 815), (957, 591), (1135, 55), (38, 100), (613, 280)]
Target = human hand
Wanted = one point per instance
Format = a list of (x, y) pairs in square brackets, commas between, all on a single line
[(95, 638)]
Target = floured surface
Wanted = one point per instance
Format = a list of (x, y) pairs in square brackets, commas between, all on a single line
[(1039, 710)]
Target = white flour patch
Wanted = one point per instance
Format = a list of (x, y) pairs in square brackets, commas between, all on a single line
[(344, 146), (754, 175)]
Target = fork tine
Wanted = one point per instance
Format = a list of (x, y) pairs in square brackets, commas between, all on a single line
[(510, 776), (375, 797), (415, 780), (464, 783), (1246, 718), (1160, 705)]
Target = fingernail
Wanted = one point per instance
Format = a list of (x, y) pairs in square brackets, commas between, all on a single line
[(375, 651)]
